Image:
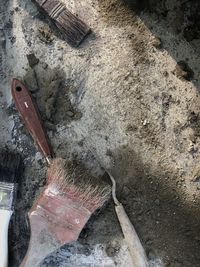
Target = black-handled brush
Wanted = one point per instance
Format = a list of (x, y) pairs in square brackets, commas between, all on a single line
[(9, 169)]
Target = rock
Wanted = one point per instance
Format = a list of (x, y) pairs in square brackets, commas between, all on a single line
[(32, 60), (156, 42), (70, 113), (112, 249)]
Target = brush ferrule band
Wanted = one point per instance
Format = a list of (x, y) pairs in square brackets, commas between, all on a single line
[(7, 194), (55, 12)]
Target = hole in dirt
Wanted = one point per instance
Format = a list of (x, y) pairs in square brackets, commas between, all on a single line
[(18, 89)]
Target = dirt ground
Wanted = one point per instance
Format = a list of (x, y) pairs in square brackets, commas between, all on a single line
[(126, 99)]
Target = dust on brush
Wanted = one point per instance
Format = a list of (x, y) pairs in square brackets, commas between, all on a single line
[(74, 180)]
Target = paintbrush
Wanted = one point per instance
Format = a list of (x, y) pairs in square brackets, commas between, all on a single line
[(9, 170), (72, 28), (71, 194)]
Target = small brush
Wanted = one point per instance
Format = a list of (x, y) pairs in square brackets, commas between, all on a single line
[(72, 28), (70, 197), (9, 170)]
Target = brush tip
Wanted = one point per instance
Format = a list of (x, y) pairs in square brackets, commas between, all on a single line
[(10, 164), (78, 184)]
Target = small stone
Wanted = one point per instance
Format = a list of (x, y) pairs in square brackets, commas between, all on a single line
[(112, 249), (13, 39), (165, 73), (32, 60), (157, 202), (70, 113), (156, 42), (44, 65), (145, 122), (192, 148), (131, 128)]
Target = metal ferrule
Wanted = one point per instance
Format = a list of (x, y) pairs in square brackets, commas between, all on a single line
[(7, 195)]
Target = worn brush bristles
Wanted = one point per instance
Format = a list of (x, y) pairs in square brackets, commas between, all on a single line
[(72, 28), (9, 166), (9, 173), (77, 184)]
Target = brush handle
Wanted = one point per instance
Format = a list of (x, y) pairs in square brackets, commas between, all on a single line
[(55, 220), (5, 216), (31, 117), (42, 243), (135, 247)]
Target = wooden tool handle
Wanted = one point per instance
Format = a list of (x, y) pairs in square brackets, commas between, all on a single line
[(135, 247), (31, 117), (42, 243)]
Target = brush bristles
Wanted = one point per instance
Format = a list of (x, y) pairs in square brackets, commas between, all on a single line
[(9, 166), (76, 183), (73, 29)]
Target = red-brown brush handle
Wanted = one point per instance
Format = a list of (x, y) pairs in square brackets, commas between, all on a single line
[(31, 117)]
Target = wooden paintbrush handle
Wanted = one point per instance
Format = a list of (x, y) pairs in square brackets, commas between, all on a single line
[(31, 117), (42, 243)]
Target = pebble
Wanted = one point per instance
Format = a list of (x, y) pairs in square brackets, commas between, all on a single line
[(156, 42), (32, 60), (70, 113)]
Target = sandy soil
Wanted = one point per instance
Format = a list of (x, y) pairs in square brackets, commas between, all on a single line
[(126, 99)]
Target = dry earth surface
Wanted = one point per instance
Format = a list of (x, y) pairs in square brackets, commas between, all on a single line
[(126, 99)]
